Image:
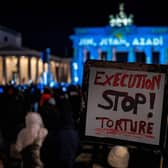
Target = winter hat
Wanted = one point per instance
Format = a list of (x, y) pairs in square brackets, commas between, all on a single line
[(118, 157), (33, 118)]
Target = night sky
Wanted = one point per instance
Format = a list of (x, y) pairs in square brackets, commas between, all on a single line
[(49, 24)]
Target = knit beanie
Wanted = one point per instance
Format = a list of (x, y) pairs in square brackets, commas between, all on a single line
[(118, 157)]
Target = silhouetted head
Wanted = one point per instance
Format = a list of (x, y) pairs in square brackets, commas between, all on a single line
[(118, 157)]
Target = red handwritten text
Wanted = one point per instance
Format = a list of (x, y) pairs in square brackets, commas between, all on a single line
[(128, 125), (142, 81)]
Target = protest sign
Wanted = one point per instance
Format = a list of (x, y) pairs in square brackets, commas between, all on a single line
[(124, 101)]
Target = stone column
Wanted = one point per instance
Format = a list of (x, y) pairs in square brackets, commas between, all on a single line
[(148, 53), (4, 69), (18, 68), (166, 55), (37, 70), (109, 54), (29, 67), (131, 55), (114, 54), (80, 64), (162, 56)]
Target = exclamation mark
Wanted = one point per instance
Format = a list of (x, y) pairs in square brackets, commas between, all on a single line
[(152, 101)]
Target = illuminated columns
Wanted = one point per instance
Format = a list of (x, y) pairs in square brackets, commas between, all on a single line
[(77, 65), (148, 53), (109, 54), (1, 70), (131, 54), (98, 53), (162, 56), (114, 54), (40, 67), (33, 69), (69, 74), (29, 67), (18, 68), (80, 65), (66, 74), (53, 69), (166, 55), (37, 70), (106, 52), (4, 69), (24, 64), (93, 53)]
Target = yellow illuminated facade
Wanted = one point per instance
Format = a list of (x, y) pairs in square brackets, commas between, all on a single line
[(23, 65), (23, 69)]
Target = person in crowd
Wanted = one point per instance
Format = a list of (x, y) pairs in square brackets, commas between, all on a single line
[(2, 160), (99, 155), (74, 93), (45, 96), (118, 157), (61, 145), (68, 134), (32, 96), (13, 111), (49, 112), (51, 117), (145, 157), (30, 140), (48, 109), (3, 155), (111, 157)]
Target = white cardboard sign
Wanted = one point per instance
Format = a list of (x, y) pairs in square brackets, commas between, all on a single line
[(125, 104)]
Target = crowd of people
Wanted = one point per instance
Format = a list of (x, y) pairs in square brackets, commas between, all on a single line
[(40, 129), (46, 117)]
